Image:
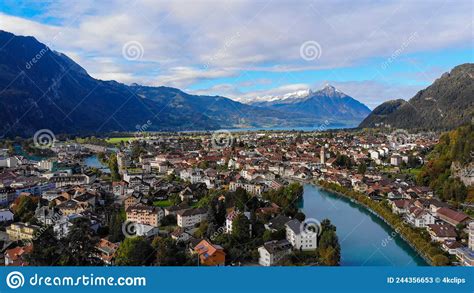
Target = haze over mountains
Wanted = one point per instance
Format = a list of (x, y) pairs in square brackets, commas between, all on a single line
[(446, 104), (41, 88)]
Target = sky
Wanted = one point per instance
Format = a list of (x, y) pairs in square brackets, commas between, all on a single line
[(372, 50)]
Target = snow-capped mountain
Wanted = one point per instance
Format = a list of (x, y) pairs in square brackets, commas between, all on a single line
[(327, 102), (292, 97), (301, 94)]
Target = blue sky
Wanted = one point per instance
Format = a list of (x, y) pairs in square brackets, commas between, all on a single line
[(371, 50)]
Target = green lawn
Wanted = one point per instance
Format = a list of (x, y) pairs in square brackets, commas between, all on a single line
[(162, 203), (117, 140), (415, 171)]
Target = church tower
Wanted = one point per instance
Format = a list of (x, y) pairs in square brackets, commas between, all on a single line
[(322, 156)]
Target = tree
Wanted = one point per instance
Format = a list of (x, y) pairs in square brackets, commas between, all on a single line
[(171, 177), (328, 256), (440, 260), (286, 197), (102, 158), (221, 213), (168, 220), (79, 245), (114, 169), (135, 251), (253, 204), (115, 227), (138, 148), (241, 198), (24, 207), (329, 248), (241, 228), (343, 161), (267, 236), (203, 165), (455, 147), (203, 230), (300, 216), (362, 168), (212, 212), (168, 252), (413, 162), (46, 249)]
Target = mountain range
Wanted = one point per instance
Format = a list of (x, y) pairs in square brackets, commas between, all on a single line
[(446, 104), (328, 103), (41, 88)]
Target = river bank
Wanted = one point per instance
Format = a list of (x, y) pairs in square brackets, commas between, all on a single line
[(404, 231)]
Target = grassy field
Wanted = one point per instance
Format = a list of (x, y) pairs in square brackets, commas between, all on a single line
[(117, 140), (162, 203), (415, 171)]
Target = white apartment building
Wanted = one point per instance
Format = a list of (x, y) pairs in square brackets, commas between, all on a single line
[(273, 251), (300, 239), (190, 217)]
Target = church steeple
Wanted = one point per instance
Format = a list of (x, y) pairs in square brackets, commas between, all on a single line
[(322, 155)]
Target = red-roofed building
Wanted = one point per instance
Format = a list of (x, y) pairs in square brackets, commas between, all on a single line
[(210, 254), (442, 233), (107, 251), (15, 256), (452, 217)]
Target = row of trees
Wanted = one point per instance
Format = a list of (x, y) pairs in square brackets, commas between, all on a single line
[(113, 166)]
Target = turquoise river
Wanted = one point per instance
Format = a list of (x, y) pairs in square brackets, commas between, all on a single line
[(365, 239)]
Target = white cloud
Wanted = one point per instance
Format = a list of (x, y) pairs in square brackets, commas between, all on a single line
[(186, 42), (373, 93)]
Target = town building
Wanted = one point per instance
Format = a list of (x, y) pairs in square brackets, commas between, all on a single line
[(272, 252), (22, 231), (210, 254), (148, 215), (299, 238), (190, 217)]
